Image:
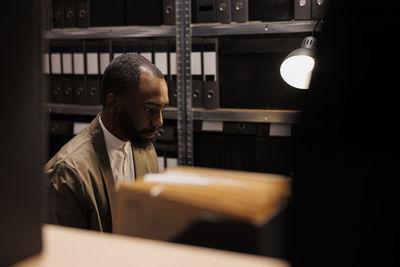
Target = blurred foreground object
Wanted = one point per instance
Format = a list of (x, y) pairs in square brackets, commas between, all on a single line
[(238, 211)]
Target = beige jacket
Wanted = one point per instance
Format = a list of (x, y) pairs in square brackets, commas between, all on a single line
[(80, 181)]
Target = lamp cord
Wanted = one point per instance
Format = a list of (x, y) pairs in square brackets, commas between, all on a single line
[(316, 26)]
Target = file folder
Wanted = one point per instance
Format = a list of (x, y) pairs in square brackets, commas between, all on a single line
[(197, 73), (168, 12), (146, 49), (172, 82), (271, 10), (104, 54), (240, 10), (82, 13), (302, 9), (79, 73), (107, 13), (203, 11), (69, 14), (160, 48), (319, 8), (46, 73), (210, 78), (92, 72), (67, 70), (131, 46), (118, 48), (223, 11), (188, 204), (56, 73), (58, 13), (145, 13)]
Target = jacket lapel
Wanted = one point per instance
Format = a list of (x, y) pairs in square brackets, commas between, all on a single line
[(104, 162), (145, 161)]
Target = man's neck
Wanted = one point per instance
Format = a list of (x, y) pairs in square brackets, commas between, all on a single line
[(109, 123)]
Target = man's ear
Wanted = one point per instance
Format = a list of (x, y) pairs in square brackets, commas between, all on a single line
[(113, 103)]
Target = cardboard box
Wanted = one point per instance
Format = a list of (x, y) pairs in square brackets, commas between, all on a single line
[(186, 204)]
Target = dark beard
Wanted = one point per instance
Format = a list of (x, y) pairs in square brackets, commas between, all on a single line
[(128, 126)]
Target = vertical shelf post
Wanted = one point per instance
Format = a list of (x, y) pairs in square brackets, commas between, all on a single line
[(184, 82)]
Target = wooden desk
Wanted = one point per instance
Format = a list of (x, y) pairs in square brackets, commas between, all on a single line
[(64, 246)]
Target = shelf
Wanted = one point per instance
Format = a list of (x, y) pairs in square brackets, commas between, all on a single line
[(243, 115), (198, 30)]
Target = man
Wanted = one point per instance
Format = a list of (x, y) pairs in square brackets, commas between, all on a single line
[(115, 148)]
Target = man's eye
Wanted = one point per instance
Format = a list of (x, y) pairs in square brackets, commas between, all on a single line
[(149, 110)]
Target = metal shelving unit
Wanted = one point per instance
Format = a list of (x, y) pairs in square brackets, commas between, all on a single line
[(183, 32), (239, 115), (198, 30)]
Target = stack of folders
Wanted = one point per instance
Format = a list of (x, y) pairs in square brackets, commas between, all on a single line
[(170, 205), (75, 68)]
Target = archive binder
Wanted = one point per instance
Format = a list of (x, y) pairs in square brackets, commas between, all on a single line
[(68, 77), (118, 48), (240, 10), (146, 49), (223, 11), (131, 46), (78, 57), (82, 13), (104, 54), (107, 13), (203, 11), (46, 73), (168, 12), (148, 12), (69, 13), (172, 81), (197, 73), (58, 13), (210, 73), (271, 10), (302, 9), (318, 8), (160, 48), (92, 72), (56, 73)]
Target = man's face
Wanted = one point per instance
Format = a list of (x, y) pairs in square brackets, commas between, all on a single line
[(141, 110)]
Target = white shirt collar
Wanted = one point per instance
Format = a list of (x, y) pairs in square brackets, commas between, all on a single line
[(111, 140)]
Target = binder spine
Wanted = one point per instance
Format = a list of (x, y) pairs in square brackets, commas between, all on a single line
[(223, 11)]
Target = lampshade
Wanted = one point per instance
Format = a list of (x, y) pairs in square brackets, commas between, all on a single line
[(296, 69)]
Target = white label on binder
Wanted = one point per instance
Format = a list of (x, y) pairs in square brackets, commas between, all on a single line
[(46, 65), (67, 63), (210, 63), (56, 63), (79, 64), (212, 126), (92, 63), (196, 63), (147, 55), (280, 129), (104, 61), (161, 62), (172, 63), (116, 55)]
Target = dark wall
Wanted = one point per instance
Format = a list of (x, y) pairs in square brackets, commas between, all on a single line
[(21, 141), (346, 182)]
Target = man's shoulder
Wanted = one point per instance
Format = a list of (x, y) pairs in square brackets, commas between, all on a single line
[(78, 149)]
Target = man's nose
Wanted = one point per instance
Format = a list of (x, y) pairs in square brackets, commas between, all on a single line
[(158, 120)]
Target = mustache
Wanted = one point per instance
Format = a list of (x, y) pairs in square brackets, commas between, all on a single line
[(152, 130)]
